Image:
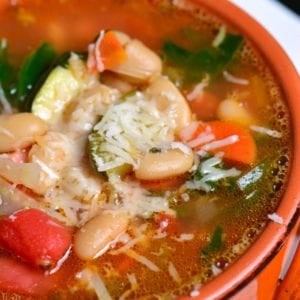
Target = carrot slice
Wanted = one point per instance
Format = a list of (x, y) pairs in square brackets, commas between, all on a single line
[(112, 52), (236, 142)]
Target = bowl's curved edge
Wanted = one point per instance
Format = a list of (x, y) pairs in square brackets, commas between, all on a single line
[(260, 254)]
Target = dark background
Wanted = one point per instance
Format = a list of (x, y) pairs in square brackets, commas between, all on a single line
[(292, 4)]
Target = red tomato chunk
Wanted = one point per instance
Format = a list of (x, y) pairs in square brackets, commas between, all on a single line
[(35, 237)]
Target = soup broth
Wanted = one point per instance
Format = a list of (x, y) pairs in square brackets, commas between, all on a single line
[(184, 228)]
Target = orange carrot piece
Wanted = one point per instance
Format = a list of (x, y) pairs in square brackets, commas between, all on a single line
[(205, 106), (243, 151), (112, 52)]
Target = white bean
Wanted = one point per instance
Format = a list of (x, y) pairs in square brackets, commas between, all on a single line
[(169, 99), (141, 63), (19, 131), (232, 110), (94, 238), (156, 166)]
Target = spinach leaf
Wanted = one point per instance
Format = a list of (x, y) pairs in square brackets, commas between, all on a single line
[(215, 243), (32, 70), (8, 72), (206, 60)]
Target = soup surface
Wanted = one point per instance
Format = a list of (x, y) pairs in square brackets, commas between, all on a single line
[(143, 147)]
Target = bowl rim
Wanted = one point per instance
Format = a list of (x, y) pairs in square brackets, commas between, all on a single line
[(253, 261)]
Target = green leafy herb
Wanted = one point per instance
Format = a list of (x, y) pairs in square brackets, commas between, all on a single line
[(207, 60), (33, 71), (8, 72), (215, 243), (155, 150)]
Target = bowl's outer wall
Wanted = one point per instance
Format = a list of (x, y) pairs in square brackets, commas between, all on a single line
[(272, 239)]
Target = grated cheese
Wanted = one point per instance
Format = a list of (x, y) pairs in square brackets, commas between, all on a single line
[(6, 107), (198, 89), (267, 131), (184, 237), (230, 78), (275, 218), (174, 273), (201, 139), (211, 173), (183, 148), (143, 260), (94, 282), (188, 132), (218, 40), (221, 143), (126, 130)]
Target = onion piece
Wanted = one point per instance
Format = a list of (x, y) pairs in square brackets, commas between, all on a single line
[(27, 174)]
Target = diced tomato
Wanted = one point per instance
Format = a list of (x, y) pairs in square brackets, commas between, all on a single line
[(35, 237), (164, 184), (243, 150), (17, 277), (167, 223), (205, 106)]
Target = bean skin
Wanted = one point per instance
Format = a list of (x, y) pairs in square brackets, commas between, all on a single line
[(18, 131), (156, 166), (94, 237)]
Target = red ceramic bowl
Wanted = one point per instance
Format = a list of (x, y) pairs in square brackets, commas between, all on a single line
[(255, 274)]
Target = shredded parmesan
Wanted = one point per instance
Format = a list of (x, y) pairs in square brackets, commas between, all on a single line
[(198, 89), (230, 78), (126, 130), (188, 132), (174, 273), (219, 37), (221, 143), (184, 237), (275, 218), (143, 260), (210, 174), (94, 282), (6, 107), (46, 169), (183, 148), (201, 139), (267, 131), (216, 271)]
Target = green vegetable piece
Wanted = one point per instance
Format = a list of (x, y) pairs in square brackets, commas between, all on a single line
[(58, 89), (33, 68), (207, 60), (251, 177), (216, 242), (8, 72)]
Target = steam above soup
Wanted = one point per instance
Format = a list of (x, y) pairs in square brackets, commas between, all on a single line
[(139, 164)]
